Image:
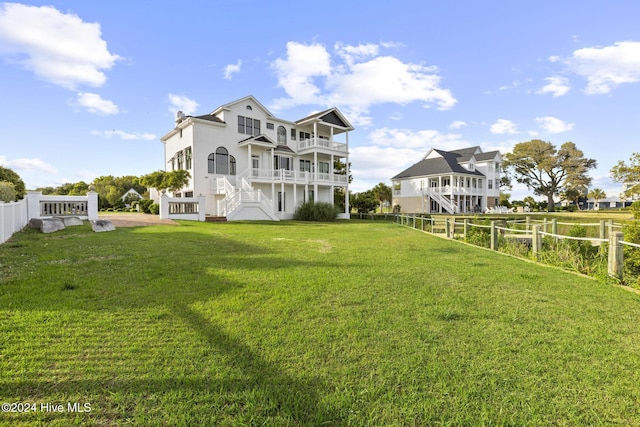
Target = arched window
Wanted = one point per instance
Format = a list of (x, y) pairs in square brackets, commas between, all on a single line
[(211, 168), (232, 165), (282, 135), (222, 161)]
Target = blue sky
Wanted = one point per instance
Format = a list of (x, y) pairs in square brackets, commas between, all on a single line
[(88, 88)]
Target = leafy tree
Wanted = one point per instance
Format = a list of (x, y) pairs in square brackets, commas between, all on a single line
[(572, 194), (9, 175), (7, 191), (172, 181), (382, 193), (628, 174), (503, 199), (364, 202), (596, 194), (547, 170)]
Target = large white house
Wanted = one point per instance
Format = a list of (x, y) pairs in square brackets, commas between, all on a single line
[(458, 181), (249, 164)]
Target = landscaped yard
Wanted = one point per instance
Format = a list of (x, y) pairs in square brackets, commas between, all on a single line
[(305, 324)]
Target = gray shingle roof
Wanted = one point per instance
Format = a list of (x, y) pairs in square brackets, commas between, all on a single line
[(448, 163)]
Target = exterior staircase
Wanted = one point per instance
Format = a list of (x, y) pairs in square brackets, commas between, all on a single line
[(443, 201), (244, 203)]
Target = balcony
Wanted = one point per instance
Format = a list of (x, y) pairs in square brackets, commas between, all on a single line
[(293, 177), (312, 143)]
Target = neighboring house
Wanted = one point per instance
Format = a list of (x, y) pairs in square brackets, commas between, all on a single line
[(458, 181), (131, 194), (249, 164)]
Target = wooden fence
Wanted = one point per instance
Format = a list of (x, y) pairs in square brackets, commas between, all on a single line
[(607, 234)]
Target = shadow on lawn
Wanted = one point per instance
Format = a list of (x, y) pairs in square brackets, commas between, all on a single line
[(191, 274)]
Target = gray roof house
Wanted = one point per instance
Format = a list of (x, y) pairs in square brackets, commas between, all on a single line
[(457, 181)]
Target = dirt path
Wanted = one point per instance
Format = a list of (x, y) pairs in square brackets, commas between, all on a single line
[(132, 219)]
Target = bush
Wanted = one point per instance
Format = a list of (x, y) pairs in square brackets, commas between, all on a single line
[(154, 209), (7, 191), (635, 208), (311, 211), (632, 254), (144, 205)]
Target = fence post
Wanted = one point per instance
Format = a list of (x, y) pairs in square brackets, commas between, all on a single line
[(446, 227), (554, 226), (536, 241), (452, 229), (164, 206), (465, 228), (528, 226), (616, 255), (202, 201), (92, 205), (494, 236)]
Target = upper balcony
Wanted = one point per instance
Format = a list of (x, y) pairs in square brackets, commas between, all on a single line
[(310, 144), (293, 177)]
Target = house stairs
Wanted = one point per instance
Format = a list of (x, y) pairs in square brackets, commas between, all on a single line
[(443, 201), (244, 203)]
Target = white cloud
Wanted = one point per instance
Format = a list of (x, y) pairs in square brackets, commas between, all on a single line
[(553, 124), (95, 104), (357, 78), (457, 124), (503, 126), (232, 69), (422, 140), (607, 67), (28, 165), (58, 48), (556, 86), (127, 136), (182, 103)]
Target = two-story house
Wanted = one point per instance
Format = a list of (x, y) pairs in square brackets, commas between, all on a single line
[(458, 181), (249, 164)]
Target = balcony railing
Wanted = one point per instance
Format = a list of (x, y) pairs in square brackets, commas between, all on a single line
[(290, 176), (315, 142)]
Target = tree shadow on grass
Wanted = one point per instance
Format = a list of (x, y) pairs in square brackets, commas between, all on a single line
[(263, 392)]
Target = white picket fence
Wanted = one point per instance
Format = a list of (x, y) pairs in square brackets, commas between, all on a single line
[(14, 216)]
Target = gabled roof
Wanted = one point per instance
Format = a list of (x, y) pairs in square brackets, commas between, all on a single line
[(208, 117), (249, 98), (332, 116), (446, 162)]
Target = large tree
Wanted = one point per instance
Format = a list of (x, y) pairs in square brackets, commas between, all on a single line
[(628, 174), (382, 192), (9, 175), (172, 181), (546, 170)]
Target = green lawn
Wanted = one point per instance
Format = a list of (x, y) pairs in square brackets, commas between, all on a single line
[(302, 324)]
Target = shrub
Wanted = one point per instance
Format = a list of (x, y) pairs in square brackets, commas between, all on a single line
[(635, 208), (144, 205), (7, 191), (154, 209), (632, 254), (311, 211)]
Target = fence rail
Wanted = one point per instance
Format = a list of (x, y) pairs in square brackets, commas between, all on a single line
[(609, 238), (14, 216)]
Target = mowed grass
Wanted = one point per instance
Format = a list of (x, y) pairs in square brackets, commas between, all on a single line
[(303, 324)]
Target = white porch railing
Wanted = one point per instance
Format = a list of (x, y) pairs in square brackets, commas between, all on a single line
[(321, 143), (292, 176), (444, 201), (14, 216), (233, 201), (44, 206), (188, 208), (221, 185)]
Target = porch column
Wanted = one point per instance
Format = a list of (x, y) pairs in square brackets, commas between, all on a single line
[(249, 163), (315, 180)]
